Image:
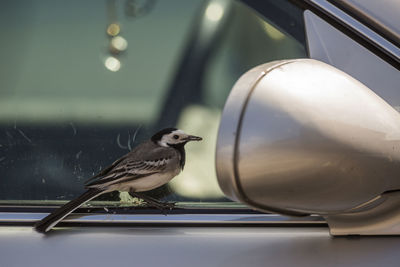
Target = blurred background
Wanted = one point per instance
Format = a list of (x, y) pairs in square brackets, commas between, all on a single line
[(83, 82)]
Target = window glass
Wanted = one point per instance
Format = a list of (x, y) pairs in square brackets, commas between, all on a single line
[(82, 82)]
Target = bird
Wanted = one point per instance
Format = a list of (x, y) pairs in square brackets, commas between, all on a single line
[(149, 165)]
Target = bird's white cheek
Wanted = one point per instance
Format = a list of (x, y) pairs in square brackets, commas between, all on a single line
[(163, 143)]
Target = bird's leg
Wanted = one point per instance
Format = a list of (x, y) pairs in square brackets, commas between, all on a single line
[(152, 201)]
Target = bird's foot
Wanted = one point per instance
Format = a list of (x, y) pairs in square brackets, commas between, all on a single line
[(152, 202), (169, 205)]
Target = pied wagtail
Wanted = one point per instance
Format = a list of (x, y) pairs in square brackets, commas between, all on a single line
[(151, 164)]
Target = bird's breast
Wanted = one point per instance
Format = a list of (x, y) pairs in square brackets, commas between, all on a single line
[(146, 183)]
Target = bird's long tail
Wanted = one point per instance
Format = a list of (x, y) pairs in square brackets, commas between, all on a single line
[(56, 216)]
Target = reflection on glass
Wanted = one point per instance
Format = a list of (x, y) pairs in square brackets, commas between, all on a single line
[(113, 29), (214, 11), (119, 43), (273, 32), (112, 64)]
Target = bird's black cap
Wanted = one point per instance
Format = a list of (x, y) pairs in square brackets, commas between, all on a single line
[(157, 137)]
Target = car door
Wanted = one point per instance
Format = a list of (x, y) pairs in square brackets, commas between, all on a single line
[(84, 82)]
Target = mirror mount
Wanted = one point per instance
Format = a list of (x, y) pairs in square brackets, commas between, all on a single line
[(380, 217)]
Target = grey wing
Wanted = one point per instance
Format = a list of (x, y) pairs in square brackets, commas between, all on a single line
[(131, 168), (105, 171)]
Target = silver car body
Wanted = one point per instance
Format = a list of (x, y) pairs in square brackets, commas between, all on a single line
[(235, 239)]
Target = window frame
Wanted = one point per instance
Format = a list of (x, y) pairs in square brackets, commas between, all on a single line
[(239, 216)]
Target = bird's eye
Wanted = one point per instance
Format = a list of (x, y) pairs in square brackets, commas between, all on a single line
[(176, 136)]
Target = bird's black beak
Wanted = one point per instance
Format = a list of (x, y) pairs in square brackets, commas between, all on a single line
[(193, 138)]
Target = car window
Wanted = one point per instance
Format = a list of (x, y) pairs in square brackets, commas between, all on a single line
[(82, 82)]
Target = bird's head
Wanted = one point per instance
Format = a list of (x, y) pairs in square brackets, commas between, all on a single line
[(171, 137)]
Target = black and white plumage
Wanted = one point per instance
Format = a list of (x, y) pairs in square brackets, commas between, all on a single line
[(149, 165)]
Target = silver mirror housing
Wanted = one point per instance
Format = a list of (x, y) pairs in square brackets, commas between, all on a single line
[(301, 137)]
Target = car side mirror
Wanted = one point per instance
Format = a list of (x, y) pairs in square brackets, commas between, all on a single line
[(301, 137)]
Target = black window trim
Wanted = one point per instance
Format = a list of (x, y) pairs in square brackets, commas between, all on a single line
[(340, 19)]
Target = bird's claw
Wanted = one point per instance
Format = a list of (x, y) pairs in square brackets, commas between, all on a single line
[(169, 205), (163, 206)]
